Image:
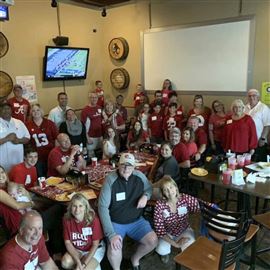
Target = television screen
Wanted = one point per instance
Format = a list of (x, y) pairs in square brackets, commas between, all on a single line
[(3, 13), (65, 63)]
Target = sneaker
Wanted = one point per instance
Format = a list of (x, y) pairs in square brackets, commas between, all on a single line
[(165, 258)]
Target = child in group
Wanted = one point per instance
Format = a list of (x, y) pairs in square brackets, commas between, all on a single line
[(166, 90), (144, 116), (100, 92), (17, 192), (171, 120), (155, 121), (139, 93)]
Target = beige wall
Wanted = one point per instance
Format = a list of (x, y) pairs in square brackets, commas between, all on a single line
[(33, 24)]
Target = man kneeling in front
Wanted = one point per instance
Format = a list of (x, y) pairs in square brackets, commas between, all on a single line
[(27, 250), (122, 199)]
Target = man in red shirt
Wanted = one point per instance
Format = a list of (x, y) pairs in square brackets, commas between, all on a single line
[(27, 250), (64, 157), (20, 106), (25, 173), (92, 118), (200, 136), (180, 151), (100, 92)]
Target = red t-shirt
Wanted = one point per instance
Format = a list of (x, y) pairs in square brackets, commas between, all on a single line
[(192, 148), (20, 109), (13, 257), (165, 95), (22, 175), (110, 118), (180, 152), (137, 98), (153, 104), (240, 135), (100, 93), (170, 122), (217, 124), (155, 122), (12, 218), (82, 235), (94, 115), (144, 136), (43, 137), (56, 158), (200, 137), (205, 115)]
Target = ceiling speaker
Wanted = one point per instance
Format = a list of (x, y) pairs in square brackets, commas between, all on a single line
[(60, 41)]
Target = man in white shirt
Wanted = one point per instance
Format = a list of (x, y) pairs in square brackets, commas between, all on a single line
[(260, 113), (13, 135), (58, 114)]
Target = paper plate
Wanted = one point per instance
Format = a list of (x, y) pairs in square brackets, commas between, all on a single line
[(53, 181), (199, 171)]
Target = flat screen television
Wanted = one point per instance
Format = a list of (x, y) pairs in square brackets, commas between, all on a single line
[(65, 63), (4, 13)]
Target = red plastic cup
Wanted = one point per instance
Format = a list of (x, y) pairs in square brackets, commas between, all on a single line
[(232, 163), (42, 182), (94, 161), (226, 177), (247, 159), (241, 161)]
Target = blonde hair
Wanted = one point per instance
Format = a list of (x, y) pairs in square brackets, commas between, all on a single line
[(165, 180), (237, 102), (89, 213), (37, 105)]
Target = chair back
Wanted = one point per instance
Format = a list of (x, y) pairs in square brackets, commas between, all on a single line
[(222, 225), (231, 251)]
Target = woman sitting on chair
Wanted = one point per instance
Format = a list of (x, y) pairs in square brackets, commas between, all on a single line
[(137, 136), (82, 235), (166, 164), (171, 218), (111, 144)]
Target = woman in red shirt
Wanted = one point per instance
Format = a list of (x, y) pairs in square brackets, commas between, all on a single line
[(137, 136), (83, 236), (217, 122), (166, 90), (239, 131)]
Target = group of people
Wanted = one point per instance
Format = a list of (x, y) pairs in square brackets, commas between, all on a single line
[(33, 146)]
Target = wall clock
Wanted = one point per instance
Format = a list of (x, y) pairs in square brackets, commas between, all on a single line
[(119, 78), (3, 45), (6, 84), (118, 48)]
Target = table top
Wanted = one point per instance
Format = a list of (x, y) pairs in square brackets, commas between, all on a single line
[(258, 189)]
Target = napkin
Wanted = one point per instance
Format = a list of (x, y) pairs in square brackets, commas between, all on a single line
[(251, 178), (238, 177)]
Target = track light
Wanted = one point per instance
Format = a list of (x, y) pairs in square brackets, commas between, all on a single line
[(54, 4), (104, 12)]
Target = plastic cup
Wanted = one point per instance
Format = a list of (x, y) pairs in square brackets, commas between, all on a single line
[(226, 177), (241, 161), (94, 161), (232, 163), (42, 182), (247, 159)]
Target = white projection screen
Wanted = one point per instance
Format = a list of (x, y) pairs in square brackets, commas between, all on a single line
[(217, 57)]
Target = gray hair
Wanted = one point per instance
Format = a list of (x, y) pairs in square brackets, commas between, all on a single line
[(237, 102)]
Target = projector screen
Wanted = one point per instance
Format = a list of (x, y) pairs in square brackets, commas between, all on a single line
[(216, 57)]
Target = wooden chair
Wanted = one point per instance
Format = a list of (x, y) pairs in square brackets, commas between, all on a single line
[(206, 254), (264, 221), (225, 225)]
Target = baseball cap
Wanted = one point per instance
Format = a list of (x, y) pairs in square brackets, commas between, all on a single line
[(127, 158)]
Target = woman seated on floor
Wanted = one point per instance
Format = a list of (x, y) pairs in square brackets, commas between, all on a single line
[(83, 236), (166, 164), (171, 218)]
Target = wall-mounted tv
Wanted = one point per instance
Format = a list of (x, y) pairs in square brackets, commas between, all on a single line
[(4, 13), (65, 63)]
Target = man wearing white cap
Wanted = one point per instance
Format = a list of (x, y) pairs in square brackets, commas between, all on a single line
[(123, 196), (260, 113)]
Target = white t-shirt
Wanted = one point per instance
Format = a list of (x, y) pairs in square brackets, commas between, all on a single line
[(57, 115), (260, 115), (12, 154), (108, 149)]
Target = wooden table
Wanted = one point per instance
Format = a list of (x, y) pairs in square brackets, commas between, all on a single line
[(261, 190)]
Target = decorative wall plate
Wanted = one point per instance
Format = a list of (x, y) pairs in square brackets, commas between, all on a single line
[(6, 84), (118, 48), (119, 78), (3, 45)]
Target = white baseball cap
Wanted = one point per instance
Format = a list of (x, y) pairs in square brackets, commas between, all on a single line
[(127, 158)]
